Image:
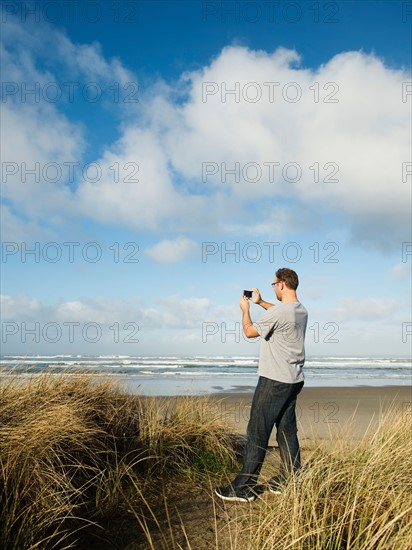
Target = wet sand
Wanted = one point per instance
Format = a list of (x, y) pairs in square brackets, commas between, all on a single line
[(323, 412)]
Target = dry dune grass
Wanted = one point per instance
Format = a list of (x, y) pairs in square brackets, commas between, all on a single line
[(349, 495), (76, 454), (73, 452)]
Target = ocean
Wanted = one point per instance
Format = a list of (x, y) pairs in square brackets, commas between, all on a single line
[(203, 375)]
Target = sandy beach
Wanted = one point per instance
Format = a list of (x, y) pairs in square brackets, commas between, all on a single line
[(326, 411)]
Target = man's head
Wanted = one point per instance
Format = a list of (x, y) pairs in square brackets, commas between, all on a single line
[(288, 276), (285, 284)]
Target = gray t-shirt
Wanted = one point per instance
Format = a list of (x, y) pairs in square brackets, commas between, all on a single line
[(282, 345)]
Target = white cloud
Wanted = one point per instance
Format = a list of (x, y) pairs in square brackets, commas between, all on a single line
[(169, 251), (32, 44), (14, 230), (400, 271), (366, 309), (40, 141), (145, 196), (364, 135), (44, 149), (170, 312), (181, 325), (185, 312), (20, 307)]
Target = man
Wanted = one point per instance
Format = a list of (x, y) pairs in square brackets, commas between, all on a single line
[(282, 355)]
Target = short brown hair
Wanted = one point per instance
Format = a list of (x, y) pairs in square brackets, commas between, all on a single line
[(289, 277)]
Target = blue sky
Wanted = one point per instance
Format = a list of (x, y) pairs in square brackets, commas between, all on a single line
[(160, 157)]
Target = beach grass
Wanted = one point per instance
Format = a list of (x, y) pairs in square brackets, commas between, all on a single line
[(85, 464), (74, 453), (349, 495)]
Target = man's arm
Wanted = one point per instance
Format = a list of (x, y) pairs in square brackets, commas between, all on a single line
[(265, 305), (248, 328)]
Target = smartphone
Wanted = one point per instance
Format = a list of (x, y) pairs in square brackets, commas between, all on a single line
[(247, 293)]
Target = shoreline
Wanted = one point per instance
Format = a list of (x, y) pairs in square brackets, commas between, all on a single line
[(323, 412), (179, 385)]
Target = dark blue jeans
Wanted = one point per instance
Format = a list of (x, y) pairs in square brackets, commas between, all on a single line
[(273, 403)]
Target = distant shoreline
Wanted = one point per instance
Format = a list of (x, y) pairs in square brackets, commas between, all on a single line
[(321, 411), (201, 375), (324, 411)]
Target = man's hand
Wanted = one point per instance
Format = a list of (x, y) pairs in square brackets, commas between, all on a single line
[(257, 298), (244, 304)]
